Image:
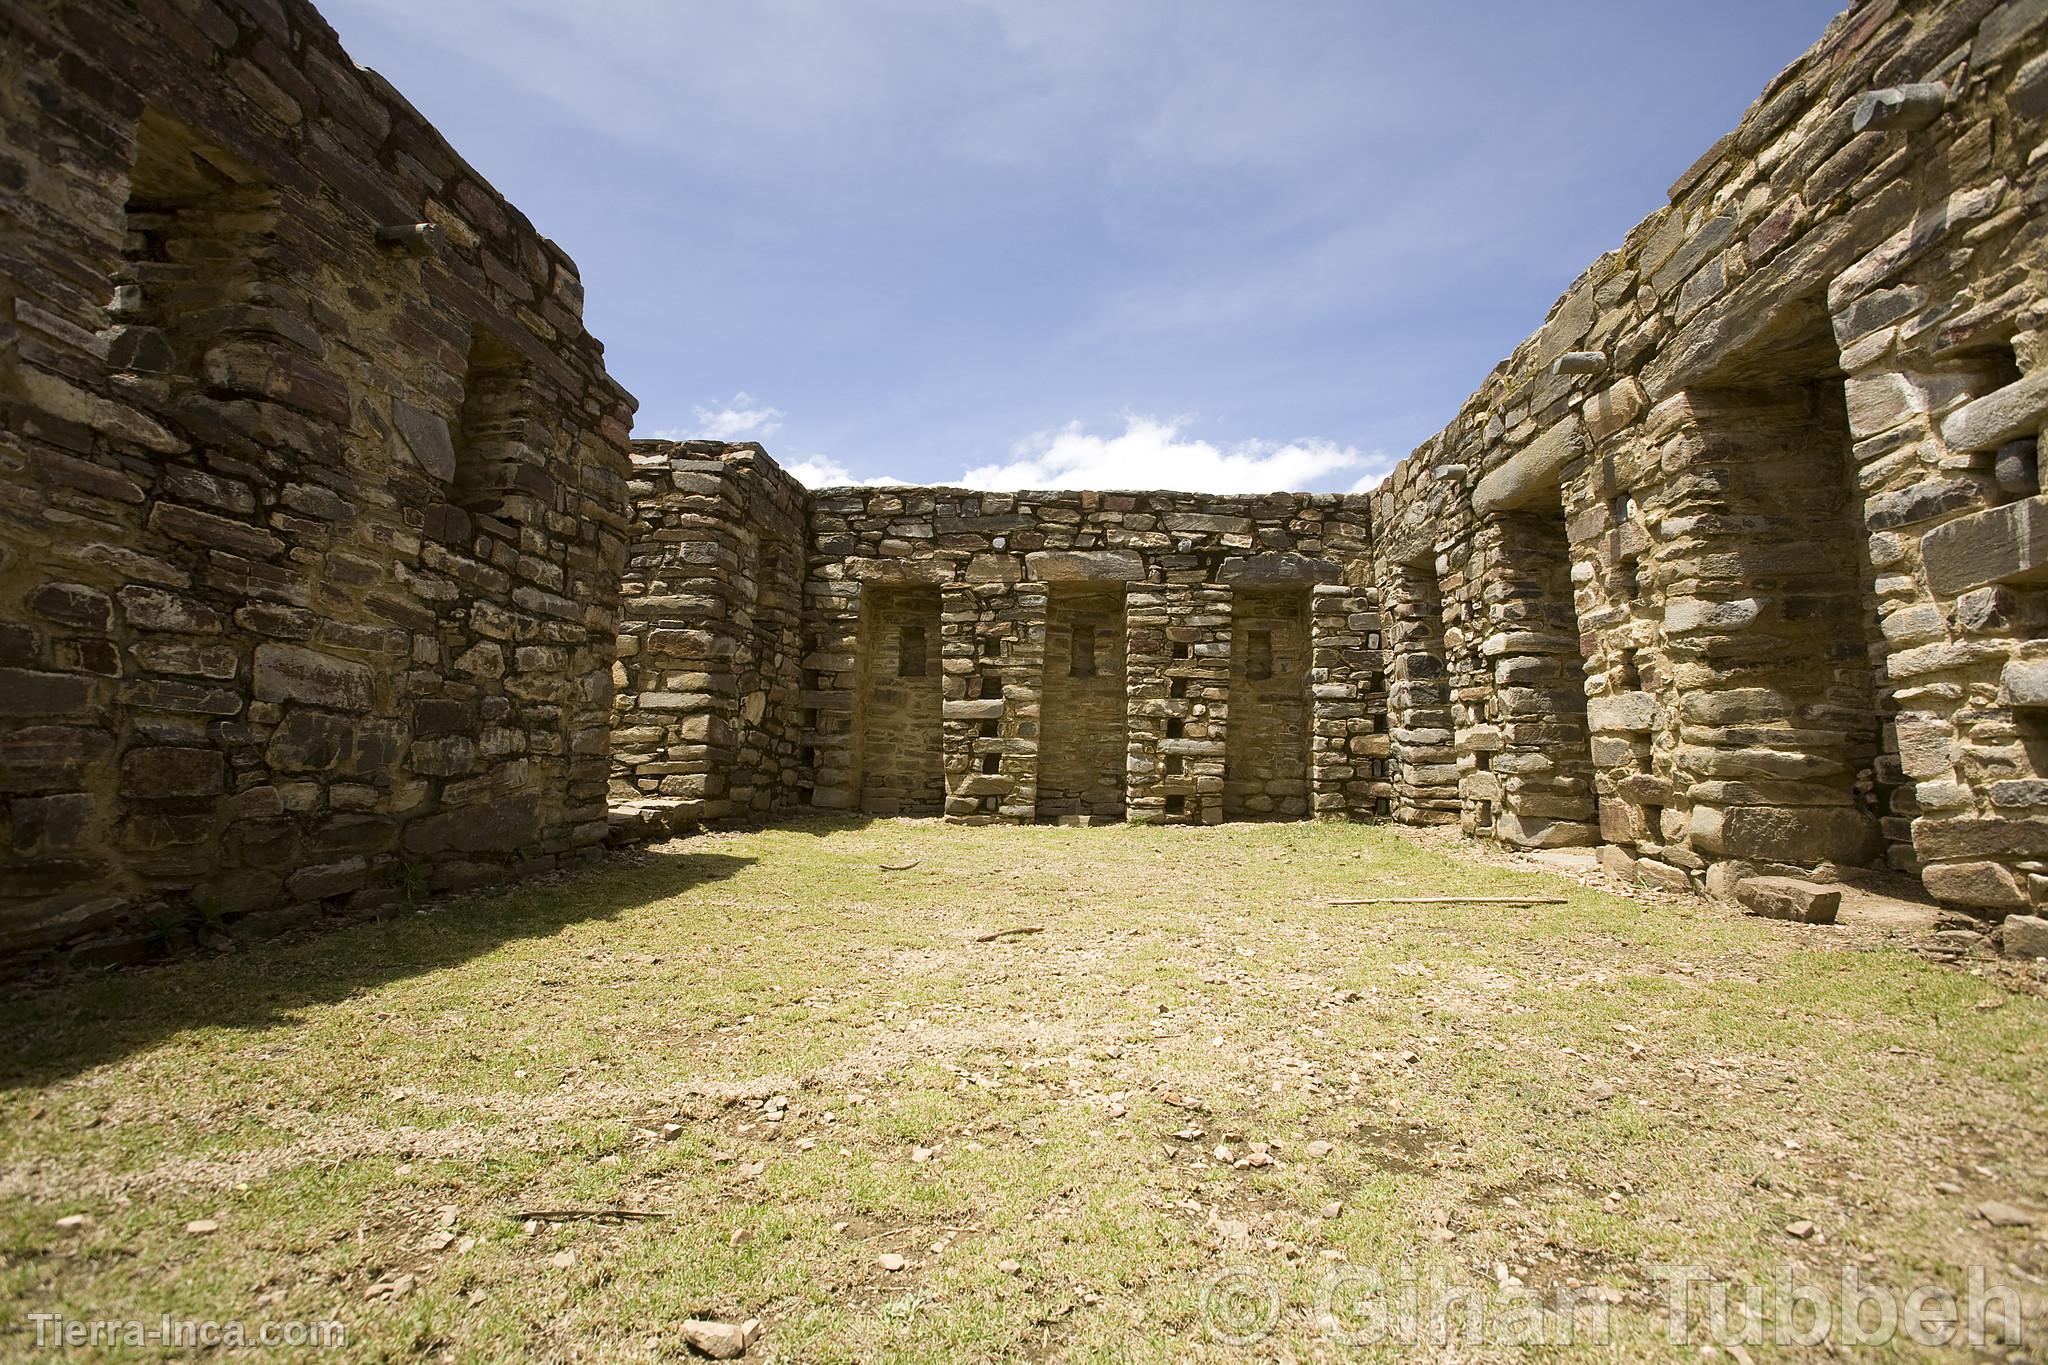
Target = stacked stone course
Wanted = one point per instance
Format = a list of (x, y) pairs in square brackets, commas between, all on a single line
[(319, 510), (311, 518), (1782, 446)]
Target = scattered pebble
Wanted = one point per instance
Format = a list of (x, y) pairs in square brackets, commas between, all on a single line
[(201, 1227), (890, 1262)]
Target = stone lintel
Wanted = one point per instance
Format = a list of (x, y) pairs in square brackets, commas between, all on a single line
[(1278, 570), (1531, 471)]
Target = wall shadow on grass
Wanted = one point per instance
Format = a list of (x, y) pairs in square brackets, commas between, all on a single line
[(61, 1029)]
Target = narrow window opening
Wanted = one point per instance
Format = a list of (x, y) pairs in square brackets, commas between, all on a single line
[(1372, 639), (198, 224), (491, 429), (1081, 660), (1177, 688), (1629, 577), (1379, 722), (1383, 808), (1174, 765), (1258, 655), (1624, 506), (991, 729), (1176, 728), (991, 763), (1627, 677), (991, 647), (810, 720), (1482, 760), (910, 660), (1176, 805), (1182, 650), (1483, 816)]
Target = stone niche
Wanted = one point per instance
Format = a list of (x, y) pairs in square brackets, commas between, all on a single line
[(1081, 738), (1266, 753), (898, 734)]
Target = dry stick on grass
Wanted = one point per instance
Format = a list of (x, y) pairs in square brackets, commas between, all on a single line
[(900, 867), (1010, 933), (1456, 900), (590, 1215)]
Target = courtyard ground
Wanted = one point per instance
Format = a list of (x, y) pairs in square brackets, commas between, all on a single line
[(1191, 1118)]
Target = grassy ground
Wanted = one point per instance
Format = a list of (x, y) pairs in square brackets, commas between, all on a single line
[(1067, 1137)]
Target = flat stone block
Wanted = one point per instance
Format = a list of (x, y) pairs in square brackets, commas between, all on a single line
[(2006, 544), (2015, 411), (2025, 936), (1789, 898)]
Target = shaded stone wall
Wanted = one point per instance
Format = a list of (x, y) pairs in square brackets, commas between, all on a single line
[(901, 754), (1153, 577), (1265, 767), (1790, 426), (311, 540), (1081, 739), (708, 721)]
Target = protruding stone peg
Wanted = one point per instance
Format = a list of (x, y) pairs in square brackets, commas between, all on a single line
[(414, 239), (1580, 362), (1899, 108)]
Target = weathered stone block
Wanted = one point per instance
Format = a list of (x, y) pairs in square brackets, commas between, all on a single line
[(294, 673), (2024, 936), (1789, 898), (2006, 544), (160, 772)]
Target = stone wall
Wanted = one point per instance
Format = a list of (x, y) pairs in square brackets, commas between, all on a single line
[(707, 720), (313, 518), (1145, 585), (1781, 447)]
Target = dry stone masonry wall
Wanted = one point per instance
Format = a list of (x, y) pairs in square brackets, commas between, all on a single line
[(707, 721), (319, 511), (1782, 447), (312, 488)]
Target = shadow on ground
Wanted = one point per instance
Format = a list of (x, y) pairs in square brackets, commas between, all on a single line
[(51, 1032)]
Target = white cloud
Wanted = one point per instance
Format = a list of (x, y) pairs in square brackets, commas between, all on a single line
[(1151, 453), (740, 419), (822, 471)]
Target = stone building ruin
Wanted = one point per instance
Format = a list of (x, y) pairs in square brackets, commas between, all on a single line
[(329, 572)]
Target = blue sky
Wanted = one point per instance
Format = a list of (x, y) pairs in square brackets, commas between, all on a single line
[(1075, 243)]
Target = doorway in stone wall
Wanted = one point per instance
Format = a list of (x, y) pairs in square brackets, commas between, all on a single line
[(1769, 619), (1423, 755), (1266, 744), (1535, 763), (898, 731), (1082, 745)]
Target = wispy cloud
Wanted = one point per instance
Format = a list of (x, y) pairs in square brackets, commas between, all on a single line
[(1150, 453), (741, 419), (822, 471)]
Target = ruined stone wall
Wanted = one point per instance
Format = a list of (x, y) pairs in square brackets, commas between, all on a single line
[(707, 723), (1003, 584), (311, 541), (1782, 446)]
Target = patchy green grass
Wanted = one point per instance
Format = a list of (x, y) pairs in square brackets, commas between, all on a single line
[(1067, 1136)]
